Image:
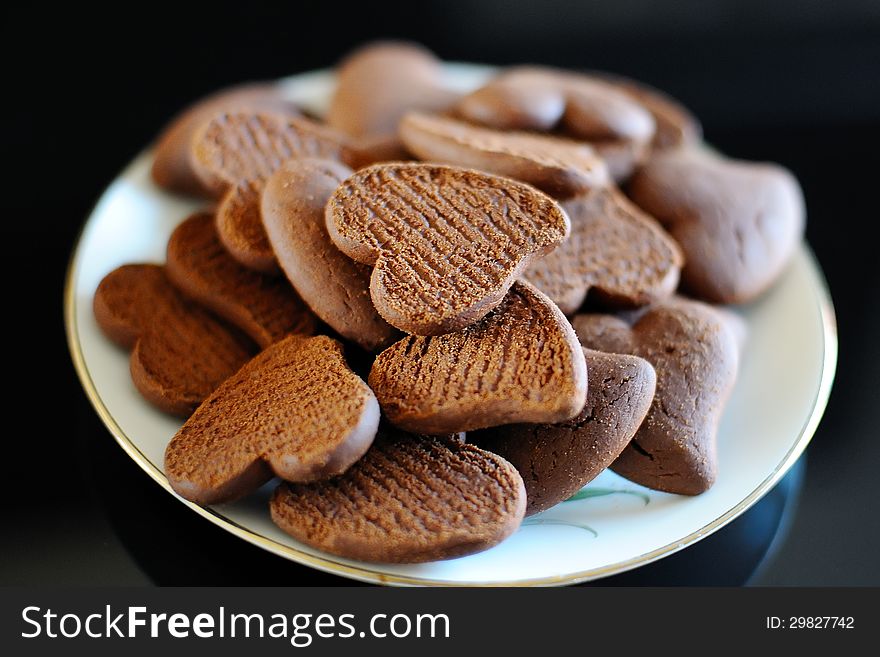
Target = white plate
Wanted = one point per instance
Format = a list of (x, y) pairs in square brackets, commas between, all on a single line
[(781, 393)]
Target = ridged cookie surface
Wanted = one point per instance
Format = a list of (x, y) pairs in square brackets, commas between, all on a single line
[(264, 307), (295, 410), (695, 354), (180, 352), (336, 287), (615, 249), (410, 499), (560, 167), (557, 460), (447, 243), (236, 152), (521, 363)]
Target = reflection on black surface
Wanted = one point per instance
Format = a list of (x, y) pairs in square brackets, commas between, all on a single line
[(174, 546)]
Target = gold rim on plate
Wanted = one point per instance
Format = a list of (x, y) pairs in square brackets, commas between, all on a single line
[(365, 573)]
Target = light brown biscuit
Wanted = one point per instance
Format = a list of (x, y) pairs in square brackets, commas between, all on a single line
[(521, 363), (172, 168), (336, 287), (738, 223), (295, 410), (614, 249), (411, 499), (695, 355), (560, 167), (264, 307), (676, 125), (379, 83), (447, 243), (578, 106), (180, 352), (236, 152), (557, 460)]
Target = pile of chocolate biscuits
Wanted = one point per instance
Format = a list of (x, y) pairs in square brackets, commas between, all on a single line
[(432, 314)]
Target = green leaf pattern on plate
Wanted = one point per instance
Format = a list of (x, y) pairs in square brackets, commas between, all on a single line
[(584, 494)]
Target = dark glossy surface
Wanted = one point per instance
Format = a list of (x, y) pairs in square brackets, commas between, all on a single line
[(795, 83)]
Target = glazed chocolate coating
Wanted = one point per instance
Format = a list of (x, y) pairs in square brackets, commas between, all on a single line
[(411, 499), (695, 354), (521, 363), (557, 460), (447, 243), (336, 287), (180, 352), (295, 410)]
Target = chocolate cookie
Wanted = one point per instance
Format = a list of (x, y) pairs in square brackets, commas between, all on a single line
[(295, 410), (180, 352), (675, 124), (738, 223), (560, 167), (521, 363), (264, 307), (447, 243), (557, 460), (614, 249), (336, 287), (578, 106), (695, 355), (411, 499), (377, 84), (235, 153), (172, 168)]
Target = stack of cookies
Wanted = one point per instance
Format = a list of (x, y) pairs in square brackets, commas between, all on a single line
[(434, 314)]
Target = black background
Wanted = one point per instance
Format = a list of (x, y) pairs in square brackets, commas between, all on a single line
[(85, 89)]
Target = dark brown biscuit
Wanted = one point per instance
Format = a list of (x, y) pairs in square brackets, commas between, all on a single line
[(172, 168), (521, 363), (379, 83), (409, 500), (236, 153), (336, 287), (738, 223), (264, 307), (614, 249), (447, 243), (560, 167), (557, 460), (180, 352), (579, 106), (295, 410), (695, 355)]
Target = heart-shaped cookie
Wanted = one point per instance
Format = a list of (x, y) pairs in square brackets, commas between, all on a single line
[(378, 83), (447, 243), (411, 499), (295, 410), (265, 307), (521, 363), (235, 152), (560, 167), (180, 352), (738, 223), (172, 168), (557, 460), (579, 106), (336, 287), (695, 355), (614, 249)]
